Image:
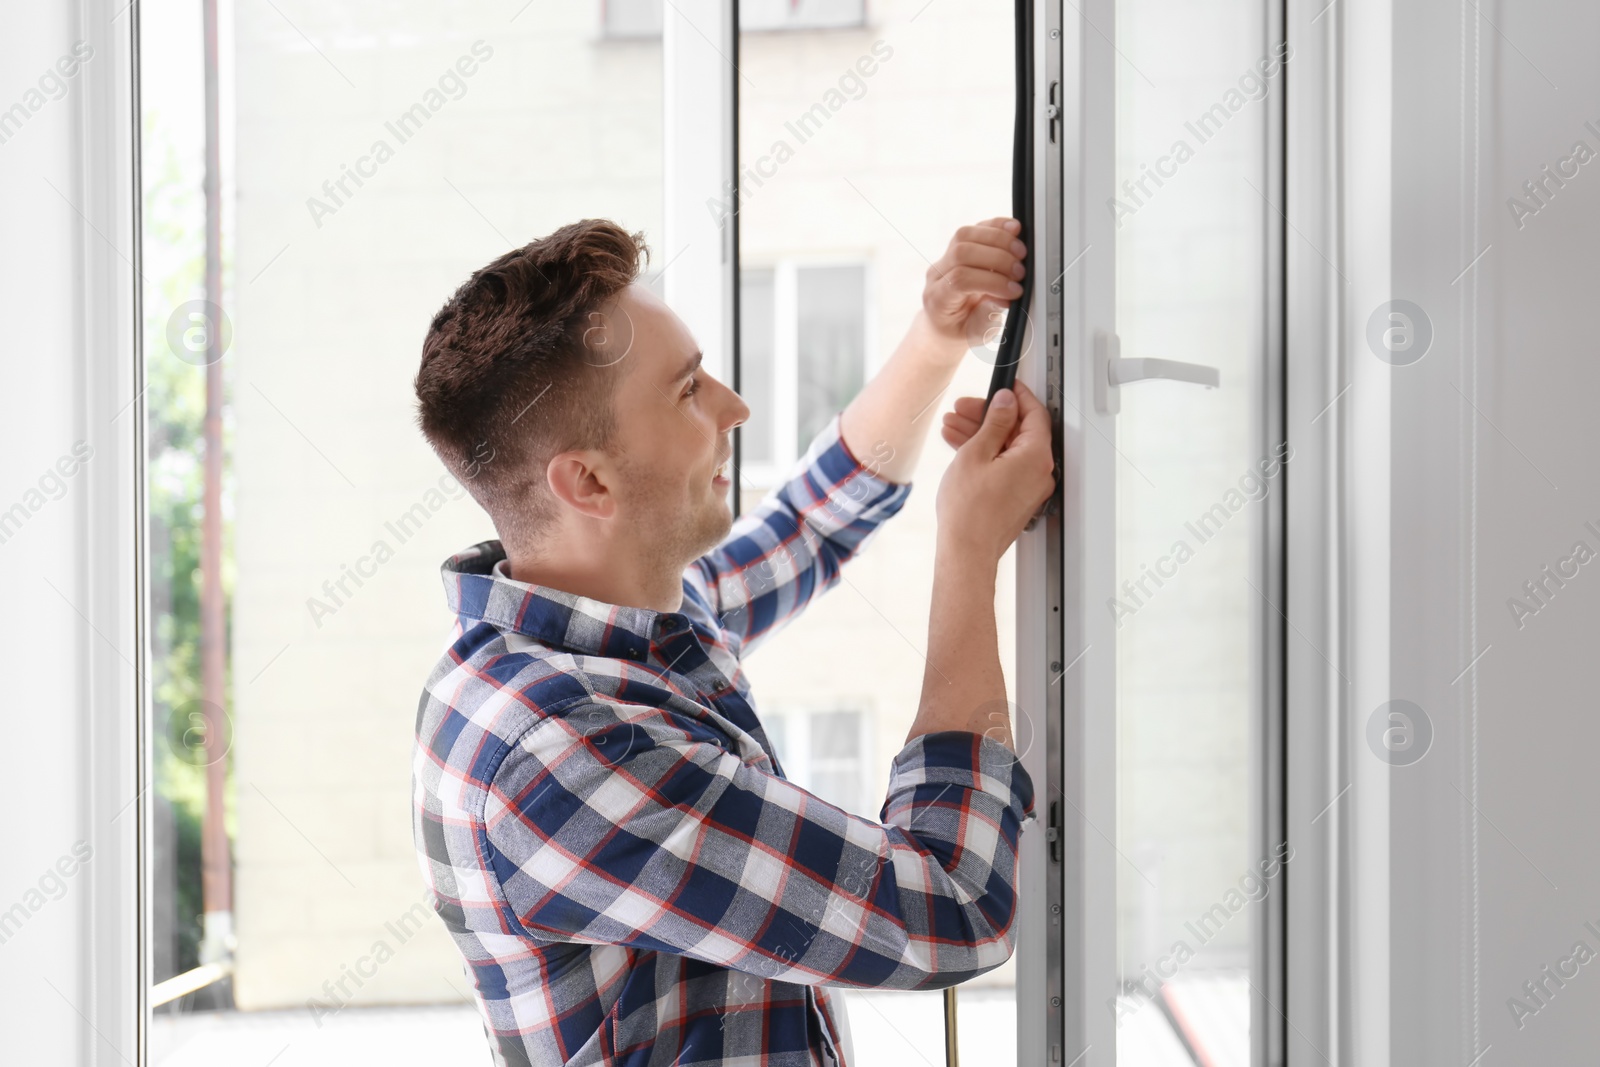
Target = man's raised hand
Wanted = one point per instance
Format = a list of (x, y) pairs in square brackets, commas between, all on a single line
[(981, 268)]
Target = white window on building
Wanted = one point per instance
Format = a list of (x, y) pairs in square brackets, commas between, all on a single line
[(803, 340), (631, 18), (828, 753), (801, 14), (642, 18)]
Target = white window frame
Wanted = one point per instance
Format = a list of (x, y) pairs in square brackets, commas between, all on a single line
[(75, 975), (786, 448)]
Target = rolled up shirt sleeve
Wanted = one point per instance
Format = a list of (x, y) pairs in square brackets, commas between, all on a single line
[(617, 824), (788, 550)]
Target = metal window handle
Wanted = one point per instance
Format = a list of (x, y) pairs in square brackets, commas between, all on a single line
[(1112, 371)]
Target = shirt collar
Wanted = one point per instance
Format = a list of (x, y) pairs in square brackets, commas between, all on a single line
[(476, 589)]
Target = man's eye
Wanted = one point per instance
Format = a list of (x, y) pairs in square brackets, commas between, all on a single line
[(694, 387)]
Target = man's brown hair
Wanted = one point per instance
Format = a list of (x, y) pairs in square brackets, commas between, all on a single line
[(507, 378)]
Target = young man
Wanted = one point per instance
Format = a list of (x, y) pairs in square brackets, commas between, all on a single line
[(600, 816)]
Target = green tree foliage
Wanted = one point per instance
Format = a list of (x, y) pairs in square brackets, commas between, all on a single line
[(174, 262)]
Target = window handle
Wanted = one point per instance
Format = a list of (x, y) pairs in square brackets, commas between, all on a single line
[(1112, 371)]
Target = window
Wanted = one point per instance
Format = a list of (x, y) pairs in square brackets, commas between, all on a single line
[(1199, 481), (804, 338), (334, 520), (631, 18), (801, 14), (828, 752), (834, 255), (642, 18)]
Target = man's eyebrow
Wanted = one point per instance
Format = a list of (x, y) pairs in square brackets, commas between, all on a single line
[(688, 368)]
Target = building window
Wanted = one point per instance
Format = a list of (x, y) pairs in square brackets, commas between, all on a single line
[(827, 753), (803, 340), (801, 14), (642, 18), (631, 18)]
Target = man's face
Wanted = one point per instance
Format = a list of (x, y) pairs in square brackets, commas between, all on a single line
[(673, 444)]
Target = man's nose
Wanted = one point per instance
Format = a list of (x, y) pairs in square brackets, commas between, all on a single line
[(735, 412)]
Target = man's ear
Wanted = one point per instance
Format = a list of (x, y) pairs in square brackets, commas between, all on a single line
[(580, 480)]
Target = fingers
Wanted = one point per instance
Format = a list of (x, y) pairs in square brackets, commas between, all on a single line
[(969, 407), (999, 233), (967, 415), (1002, 260), (983, 264), (998, 423), (1030, 405), (957, 433), (985, 247), (965, 418), (1031, 442), (989, 246), (963, 281), (1032, 419)]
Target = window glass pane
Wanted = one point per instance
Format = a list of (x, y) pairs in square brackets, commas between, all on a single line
[(373, 156), (757, 381), (1192, 489), (831, 340), (841, 787), (835, 735), (777, 727), (854, 200), (335, 254), (838, 761)]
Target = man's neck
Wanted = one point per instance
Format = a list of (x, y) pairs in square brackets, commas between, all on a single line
[(618, 577)]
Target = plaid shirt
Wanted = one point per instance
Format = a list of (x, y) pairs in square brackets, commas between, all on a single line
[(608, 835)]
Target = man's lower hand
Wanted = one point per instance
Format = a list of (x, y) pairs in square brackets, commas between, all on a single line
[(1003, 470)]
